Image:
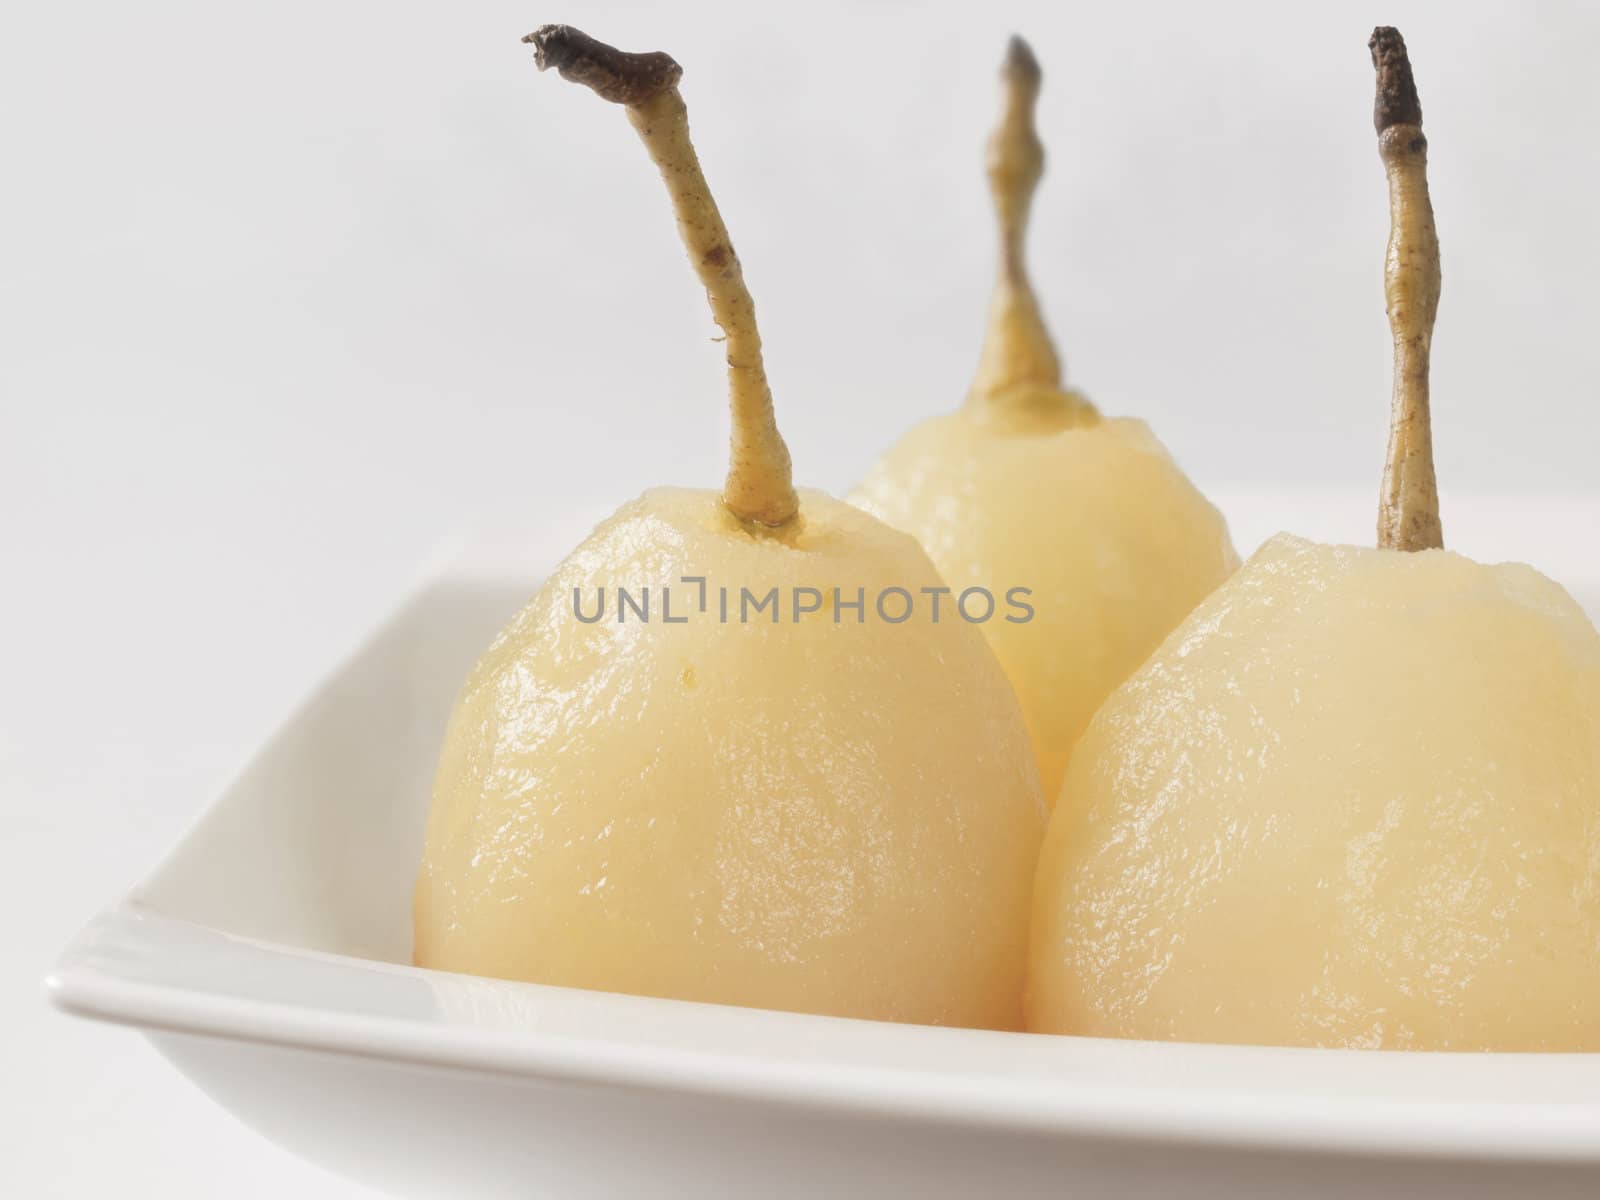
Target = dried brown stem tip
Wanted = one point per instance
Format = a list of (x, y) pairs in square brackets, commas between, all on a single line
[(1408, 505), (1396, 102), (1020, 62), (612, 74)]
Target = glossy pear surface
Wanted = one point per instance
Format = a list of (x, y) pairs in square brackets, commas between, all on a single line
[(1354, 800), (823, 816), (1094, 517)]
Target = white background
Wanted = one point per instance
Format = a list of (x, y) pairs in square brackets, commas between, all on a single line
[(290, 293)]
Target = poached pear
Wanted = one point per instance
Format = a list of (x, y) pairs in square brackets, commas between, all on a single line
[(760, 791), (1028, 486), (1353, 800)]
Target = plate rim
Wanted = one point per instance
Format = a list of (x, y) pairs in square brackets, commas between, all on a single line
[(1568, 1132)]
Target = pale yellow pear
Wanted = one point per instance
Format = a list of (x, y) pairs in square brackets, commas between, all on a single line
[(1027, 486), (1354, 799), (1113, 544), (770, 789)]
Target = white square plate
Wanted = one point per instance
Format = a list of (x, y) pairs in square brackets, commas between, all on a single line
[(269, 959)]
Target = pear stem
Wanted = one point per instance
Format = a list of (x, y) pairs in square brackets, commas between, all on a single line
[(1017, 350), (759, 488), (1408, 505)]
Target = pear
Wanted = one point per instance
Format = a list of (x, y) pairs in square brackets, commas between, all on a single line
[(1354, 800), (716, 758), (1028, 487)]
